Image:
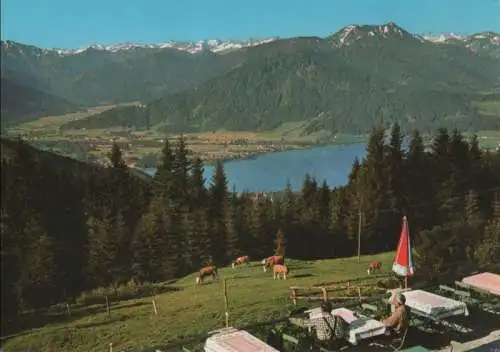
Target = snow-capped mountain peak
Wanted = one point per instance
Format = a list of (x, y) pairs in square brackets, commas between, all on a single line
[(352, 33), (443, 37), (213, 45)]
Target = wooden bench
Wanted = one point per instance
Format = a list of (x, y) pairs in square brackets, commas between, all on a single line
[(368, 306), (289, 338), (447, 288), (462, 285)]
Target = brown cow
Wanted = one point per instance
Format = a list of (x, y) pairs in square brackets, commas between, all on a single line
[(269, 262), (241, 260), (373, 266), (207, 271), (279, 269)]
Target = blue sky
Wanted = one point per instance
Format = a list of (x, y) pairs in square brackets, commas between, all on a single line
[(72, 23)]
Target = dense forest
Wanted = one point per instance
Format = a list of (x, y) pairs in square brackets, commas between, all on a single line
[(69, 229)]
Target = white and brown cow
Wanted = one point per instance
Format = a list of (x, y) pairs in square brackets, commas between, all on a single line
[(209, 270), (241, 260), (279, 269), (373, 266), (271, 261)]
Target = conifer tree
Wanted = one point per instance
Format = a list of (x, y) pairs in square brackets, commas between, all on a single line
[(102, 249), (38, 271), (279, 243), (163, 179), (259, 229), (290, 220), (372, 188), (196, 227), (180, 172), (218, 207), (9, 265), (197, 183), (232, 243), (395, 156), (418, 185)]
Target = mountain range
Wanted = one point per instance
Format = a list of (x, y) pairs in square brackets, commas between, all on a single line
[(360, 75)]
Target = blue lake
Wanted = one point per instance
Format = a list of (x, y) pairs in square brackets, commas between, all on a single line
[(270, 172)]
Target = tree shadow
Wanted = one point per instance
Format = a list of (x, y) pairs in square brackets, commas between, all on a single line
[(28, 321), (478, 324), (240, 277), (303, 275), (204, 283), (102, 323)]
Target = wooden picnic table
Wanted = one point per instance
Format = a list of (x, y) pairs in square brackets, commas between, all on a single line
[(484, 282), (433, 306), (360, 327), (233, 340)]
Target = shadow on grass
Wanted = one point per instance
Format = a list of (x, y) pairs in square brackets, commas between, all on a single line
[(479, 324), (237, 277), (112, 320), (204, 283), (28, 321), (302, 275)]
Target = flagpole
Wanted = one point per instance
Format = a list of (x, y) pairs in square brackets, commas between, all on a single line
[(409, 249)]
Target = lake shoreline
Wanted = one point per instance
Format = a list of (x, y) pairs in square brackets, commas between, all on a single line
[(270, 172), (259, 154), (287, 148)]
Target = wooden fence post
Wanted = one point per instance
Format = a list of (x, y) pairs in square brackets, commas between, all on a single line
[(68, 310), (226, 304), (108, 310), (294, 296), (155, 306), (111, 347), (325, 294)]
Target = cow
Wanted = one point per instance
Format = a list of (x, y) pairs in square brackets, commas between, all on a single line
[(206, 271), (373, 266), (269, 262), (279, 269), (241, 260)]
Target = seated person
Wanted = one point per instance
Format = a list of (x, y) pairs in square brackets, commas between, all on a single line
[(328, 327), (394, 292), (399, 319)]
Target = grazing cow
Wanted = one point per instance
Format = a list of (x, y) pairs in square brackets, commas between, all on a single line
[(279, 269), (207, 271), (269, 262), (373, 266), (241, 260)]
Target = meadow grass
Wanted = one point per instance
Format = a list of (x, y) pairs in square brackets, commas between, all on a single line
[(187, 310), (490, 108), (489, 139)]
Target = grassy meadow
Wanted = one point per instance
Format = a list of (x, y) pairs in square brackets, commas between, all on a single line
[(186, 309)]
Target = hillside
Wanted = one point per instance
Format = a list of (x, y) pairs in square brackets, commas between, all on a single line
[(56, 163), (21, 103), (96, 77), (101, 75), (348, 82), (199, 309)]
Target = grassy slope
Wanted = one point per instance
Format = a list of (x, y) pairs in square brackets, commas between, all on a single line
[(21, 103), (253, 296)]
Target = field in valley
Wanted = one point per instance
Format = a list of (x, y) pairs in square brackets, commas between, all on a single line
[(140, 147), (187, 310)]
